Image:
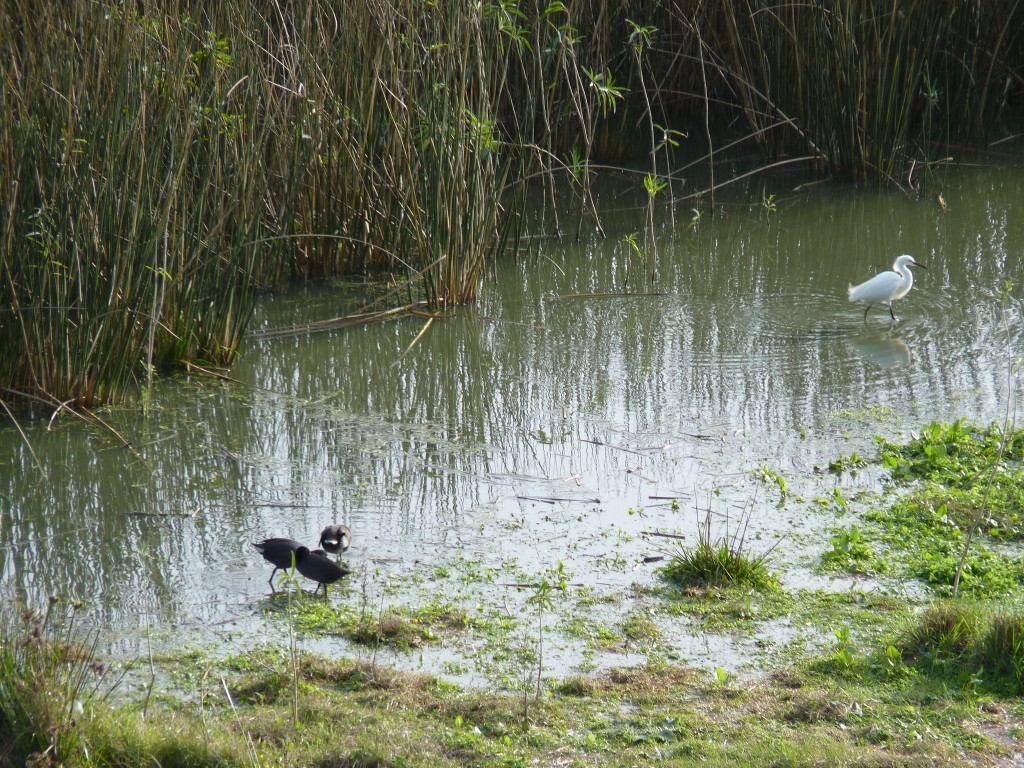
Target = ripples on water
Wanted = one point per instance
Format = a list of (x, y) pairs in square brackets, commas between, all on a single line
[(535, 427)]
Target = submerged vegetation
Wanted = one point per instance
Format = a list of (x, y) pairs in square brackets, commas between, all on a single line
[(161, 164)]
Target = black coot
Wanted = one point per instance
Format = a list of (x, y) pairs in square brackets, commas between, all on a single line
[(318, 567), (277, 552)]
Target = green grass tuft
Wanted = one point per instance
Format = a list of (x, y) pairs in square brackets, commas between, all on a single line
[(971, 645), (720, 562), (48, 677)]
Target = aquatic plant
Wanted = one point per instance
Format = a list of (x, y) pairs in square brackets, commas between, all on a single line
[(850, 552), (971, 482), (721, 561)]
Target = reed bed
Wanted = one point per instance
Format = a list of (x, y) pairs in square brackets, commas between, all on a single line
[(130, 191), (162, 163), (869, 88)]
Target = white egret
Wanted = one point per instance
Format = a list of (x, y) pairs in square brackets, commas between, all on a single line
[(888, 286)]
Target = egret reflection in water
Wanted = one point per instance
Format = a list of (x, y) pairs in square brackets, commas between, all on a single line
[(882, 349)]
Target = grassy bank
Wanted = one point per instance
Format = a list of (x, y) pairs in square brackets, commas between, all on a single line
[(161, 164), (850, 705)]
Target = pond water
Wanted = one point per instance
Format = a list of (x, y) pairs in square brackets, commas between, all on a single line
[(553, 422)]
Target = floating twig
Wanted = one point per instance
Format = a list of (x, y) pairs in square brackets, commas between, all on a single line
[(614, 447), (663, 535), (419, 336), (601, 295), (527, 585)]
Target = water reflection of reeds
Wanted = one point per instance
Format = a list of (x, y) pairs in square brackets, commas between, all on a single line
[(748, 356)]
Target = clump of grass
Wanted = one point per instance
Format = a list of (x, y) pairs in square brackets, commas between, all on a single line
[(719, 562), (970, 644), (577, 686), (1001, 650), (266, 680), (946, 629), (48, 676)]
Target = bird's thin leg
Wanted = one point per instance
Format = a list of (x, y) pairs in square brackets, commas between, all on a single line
[(890, 312), (270, 581), (866, 312)]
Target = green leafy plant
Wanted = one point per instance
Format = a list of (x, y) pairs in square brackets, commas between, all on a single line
[(775, 478), (653, 185), (850, 551), (894, 661), (608, 93), (723, 678), (843, 652), (850, 464), (968, 494)]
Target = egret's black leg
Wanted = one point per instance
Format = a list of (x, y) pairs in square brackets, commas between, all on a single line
[(866, 312), (890, 312)]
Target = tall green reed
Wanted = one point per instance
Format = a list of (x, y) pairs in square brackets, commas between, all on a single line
[(410, 169), (871, 89), (132, 189), (161, 163)]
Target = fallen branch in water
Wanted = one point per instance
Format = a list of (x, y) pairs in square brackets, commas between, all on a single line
[(356, 318), (663, 535)]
